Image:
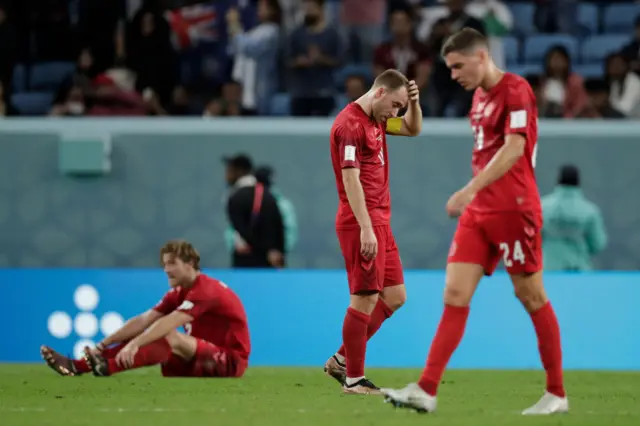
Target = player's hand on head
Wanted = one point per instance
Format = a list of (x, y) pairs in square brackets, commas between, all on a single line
[(459, 201), (368, 243), (413, 91)]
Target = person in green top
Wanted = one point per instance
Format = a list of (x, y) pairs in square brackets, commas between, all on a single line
[(573, 229), (264, 175)]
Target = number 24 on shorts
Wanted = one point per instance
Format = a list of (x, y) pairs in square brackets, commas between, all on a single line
[(509, 256)]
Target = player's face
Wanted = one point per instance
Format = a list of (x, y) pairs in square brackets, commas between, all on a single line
[(177, 271), (467, 68), (387, 104)]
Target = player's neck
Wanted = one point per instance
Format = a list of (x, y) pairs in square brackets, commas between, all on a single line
[(191, 280), (365, 101), (492, 78)]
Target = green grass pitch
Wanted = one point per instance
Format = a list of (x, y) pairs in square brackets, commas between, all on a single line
[(32, 395)]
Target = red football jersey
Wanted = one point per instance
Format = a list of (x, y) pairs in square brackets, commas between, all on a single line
[(358, 141), (219, 316), (508, 108)]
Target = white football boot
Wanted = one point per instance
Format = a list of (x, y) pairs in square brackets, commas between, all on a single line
[(548, 404), (411, 397)]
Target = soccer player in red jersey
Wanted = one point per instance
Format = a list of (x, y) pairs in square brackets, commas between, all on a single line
[(361, 167), (500, 218), (216, 343)]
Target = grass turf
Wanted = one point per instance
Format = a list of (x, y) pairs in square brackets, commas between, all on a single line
[(33, 395)]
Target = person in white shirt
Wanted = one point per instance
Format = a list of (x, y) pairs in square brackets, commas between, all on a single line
[(624, 91)]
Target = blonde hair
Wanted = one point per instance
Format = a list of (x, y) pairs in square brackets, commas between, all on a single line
[(182, 250)]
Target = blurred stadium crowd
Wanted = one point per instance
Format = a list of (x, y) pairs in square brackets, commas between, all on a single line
[(304, 57)]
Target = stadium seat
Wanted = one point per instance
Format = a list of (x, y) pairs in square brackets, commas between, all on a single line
[(511, 50), (597, 48), (49, 75), (281, 104), (19, 79), (588, 71), (589, 17), (526, 70), (32, 103), (364, 70), (536, 46), (523, 18), (620, 18)]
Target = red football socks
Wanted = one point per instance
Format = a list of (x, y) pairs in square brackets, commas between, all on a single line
[(82, 366), (380, 314), (354, 336), (447, 339), (548, 332), (154, 353)]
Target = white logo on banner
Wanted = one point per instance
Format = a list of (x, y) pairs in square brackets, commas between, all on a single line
[(85, 324)]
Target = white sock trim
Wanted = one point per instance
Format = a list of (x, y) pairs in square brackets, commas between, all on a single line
[(353, 381)]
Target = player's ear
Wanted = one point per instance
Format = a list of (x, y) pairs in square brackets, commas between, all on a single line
[(379, 92)]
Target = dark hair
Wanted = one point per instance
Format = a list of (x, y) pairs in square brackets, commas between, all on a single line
[(276, 11), (569, 175), (464, 40), (391, 79), (407, 10), (560, 49)]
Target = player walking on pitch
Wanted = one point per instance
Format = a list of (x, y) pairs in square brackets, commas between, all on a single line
[(500, 218), (361, 167), (216, 343)]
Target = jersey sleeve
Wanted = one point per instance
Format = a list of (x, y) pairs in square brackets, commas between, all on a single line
[(168, 304), (350, 140), (196, 303), (519, 109)]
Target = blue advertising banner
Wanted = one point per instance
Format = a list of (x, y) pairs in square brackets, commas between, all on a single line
[(296, 317)]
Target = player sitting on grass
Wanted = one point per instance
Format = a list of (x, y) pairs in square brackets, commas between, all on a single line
[(216, 343)]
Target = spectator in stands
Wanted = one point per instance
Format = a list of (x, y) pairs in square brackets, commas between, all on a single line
[(314, 54), (624, 92), (82, 77), (112, 97), (72, 104), (7, 109), (562, 90), (355, 86), (598, 104), (557, 16), (256, 55), (403, 51), (362, 27), (149, 50), (229, 104), (573, 229), (54, 37), (180, 104), (498, 22), (7, 47), (632, 50), (446, 95)]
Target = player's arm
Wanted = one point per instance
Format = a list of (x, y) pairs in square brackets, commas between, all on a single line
[(162, 327), (350, 142), (132, 328), (411, 123), (500, 164)]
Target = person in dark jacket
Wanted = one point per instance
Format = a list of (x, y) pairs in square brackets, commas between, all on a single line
[(254, 214)]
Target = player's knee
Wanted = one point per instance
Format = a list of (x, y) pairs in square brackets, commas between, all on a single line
[(395, 297), (456, 296), (532, 296), (364, 302)]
